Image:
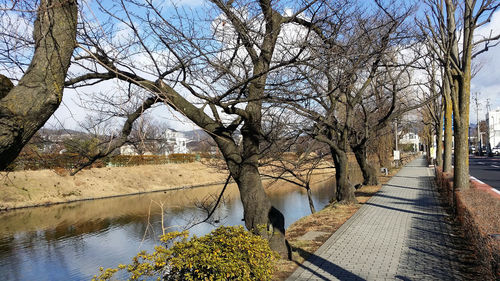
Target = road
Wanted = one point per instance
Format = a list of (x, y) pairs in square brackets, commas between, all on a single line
[(486, 169)]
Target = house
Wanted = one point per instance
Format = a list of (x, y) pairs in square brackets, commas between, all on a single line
[(176, 142), (128, 149), (172, 142), (411, 138)]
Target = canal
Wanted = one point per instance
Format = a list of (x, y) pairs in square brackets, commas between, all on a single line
[(71, 241)]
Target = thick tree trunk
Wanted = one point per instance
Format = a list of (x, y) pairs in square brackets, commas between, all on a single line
[(345, 190), (461, 169), (26, 108), (461, 135), (369, 172), (448, 134), (260, 216)]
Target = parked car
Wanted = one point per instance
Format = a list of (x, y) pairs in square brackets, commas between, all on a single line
[(496, 150), (472, 149)]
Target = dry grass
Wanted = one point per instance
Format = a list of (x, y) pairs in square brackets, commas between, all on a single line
[(327, 220), (45, 187), (41, 187)]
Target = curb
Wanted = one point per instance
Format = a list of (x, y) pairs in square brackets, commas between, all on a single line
[(485, 187)]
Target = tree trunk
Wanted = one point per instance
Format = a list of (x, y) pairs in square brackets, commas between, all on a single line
[(448, 134), (345, 190), (461, 169), (461, 135), (429, 145), (26, 108), (439, 141), (369, 172), (310, 200), (260, 216)]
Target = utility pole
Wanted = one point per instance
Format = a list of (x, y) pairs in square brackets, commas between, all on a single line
[(475, 98), (487, 117)]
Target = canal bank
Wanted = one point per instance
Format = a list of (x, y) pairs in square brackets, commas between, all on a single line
[(45, 187), (71, 241), (24, 189)]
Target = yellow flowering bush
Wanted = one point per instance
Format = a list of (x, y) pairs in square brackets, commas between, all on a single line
[(227, 253)]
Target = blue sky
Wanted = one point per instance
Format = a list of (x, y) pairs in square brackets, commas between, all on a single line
[(486, 82)]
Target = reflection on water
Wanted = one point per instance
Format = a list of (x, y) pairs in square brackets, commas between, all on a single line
[(71, 241)]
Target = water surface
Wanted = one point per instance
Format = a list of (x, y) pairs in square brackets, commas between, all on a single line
[(71, 241)]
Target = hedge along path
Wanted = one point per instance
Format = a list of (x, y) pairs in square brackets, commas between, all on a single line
[(477, 212)]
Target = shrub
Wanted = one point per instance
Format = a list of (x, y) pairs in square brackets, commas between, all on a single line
[(181, 158), (33, 161), (406, 147), (134, 160), (227, 253), (478, 213)]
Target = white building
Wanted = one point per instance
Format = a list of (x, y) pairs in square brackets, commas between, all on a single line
[(128, 150), (493, 121), (172, 142), (177, 142), (410, 138)]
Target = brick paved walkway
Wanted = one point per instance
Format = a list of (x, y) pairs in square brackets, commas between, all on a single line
[(399, 234)]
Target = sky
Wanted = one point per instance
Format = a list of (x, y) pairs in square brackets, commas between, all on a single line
[(486, 82)]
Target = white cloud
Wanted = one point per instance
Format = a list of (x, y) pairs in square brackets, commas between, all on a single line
[(487, 80)]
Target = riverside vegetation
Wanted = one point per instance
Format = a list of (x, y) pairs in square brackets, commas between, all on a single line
[(227, 253)]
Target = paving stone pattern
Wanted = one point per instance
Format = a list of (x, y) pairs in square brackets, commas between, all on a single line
[(399, 234)]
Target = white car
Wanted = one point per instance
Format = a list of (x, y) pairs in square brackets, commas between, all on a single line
[(496, 150)]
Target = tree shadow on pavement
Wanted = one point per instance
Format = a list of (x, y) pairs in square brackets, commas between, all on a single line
[(325, 265), (435, 251)]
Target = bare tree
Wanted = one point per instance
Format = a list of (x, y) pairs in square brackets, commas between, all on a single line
[(290, 155), (433, 94), (216, 77), (451, 26), (25, 107), (389, 97), (351, 49), (148, 136)]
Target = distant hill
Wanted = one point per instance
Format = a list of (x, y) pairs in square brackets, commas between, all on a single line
[(58, 132), (194, 135)]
